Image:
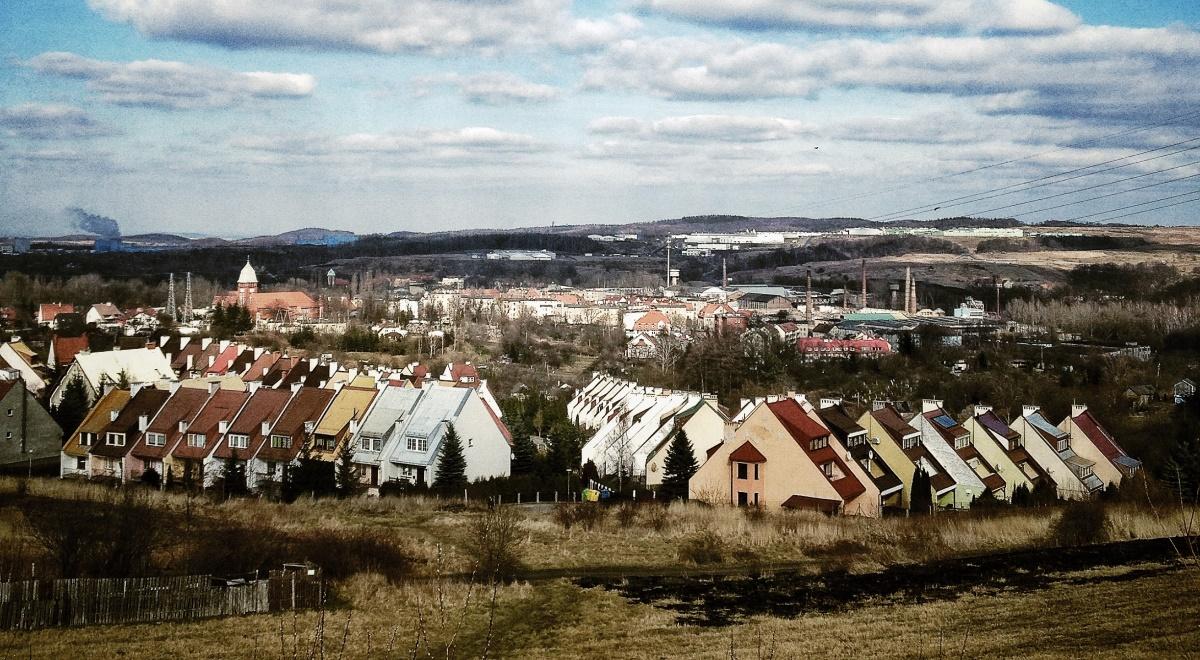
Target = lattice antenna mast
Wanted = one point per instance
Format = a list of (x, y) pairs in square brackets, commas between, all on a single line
[(171, 310), (187, 300)]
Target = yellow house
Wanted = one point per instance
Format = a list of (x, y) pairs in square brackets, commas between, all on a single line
[(1092, 441), (887, 434), (855, 439), (1051, 448), (1000, 445), (706, 427)]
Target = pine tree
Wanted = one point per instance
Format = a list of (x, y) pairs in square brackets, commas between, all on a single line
[(73, 406), (346, 481), (1021, 496), (678, 467), (233, 476), (218, 320), (451, 467), (524, 453), (921, 500)]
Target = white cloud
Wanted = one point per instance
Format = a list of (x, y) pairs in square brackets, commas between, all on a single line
[(1090, 71), (476, 143), (49, 122), (435, 27), (494, 88), (729, 128), (172, 85), (973, 16)]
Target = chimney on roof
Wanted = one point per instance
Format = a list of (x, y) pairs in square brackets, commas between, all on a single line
[(190, 360), (1078, 409), (204, 342), (213, 386), (830, 402), (135, 388), (143, 422), (265, 427), (981, 410), (253, 386), (930, 405), (296, 386), (222, 427), (1028, 410), (183, 426), (112, 415)]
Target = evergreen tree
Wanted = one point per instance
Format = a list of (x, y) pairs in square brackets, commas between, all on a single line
[(678, 467), (73, 406), (244, 320), (451, 467), (233, 476), (347, 483), (218, 319), (151, 478), (170, 481), (524, 452), (1021, 496), (921, 500), (1043, 493)]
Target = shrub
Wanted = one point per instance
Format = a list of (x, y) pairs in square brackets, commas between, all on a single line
[(1081, 523), (493, 544), (754, 514), (626, 514), (586, 515), (657, 517), (702, 548)]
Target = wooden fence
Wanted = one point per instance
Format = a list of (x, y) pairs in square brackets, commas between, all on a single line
[(88, 601)]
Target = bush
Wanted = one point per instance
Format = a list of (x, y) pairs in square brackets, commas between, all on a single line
[(627, 514), (1081, 523), (754, 514), (493, 544), (702, 548), (586, 515), (656, 517)]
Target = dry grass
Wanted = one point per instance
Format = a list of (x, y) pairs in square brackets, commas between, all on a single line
[(1113, 618), (646, 544)]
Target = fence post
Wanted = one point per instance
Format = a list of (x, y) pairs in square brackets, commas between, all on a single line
[(518, 498), (634, 494), (556, 497), (293, 590), (538, 497), (464, 496)]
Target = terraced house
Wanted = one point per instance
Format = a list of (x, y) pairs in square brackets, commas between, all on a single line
[(107, 456), (1050, 446), (1003, 448), (857, 442), (74, 457), (939, 432), (1092, 441), (163, 432)]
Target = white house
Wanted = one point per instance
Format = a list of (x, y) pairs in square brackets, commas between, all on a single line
[(134, 366)]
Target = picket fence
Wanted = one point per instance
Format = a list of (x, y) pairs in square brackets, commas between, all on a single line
[(33, 604)]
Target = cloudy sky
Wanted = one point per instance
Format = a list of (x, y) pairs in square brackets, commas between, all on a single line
[(233, 118)]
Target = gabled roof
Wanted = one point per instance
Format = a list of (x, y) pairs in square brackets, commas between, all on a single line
[(802, 427), (97, 418), (264, 405), (945, 425), (350, 403), (146, 402), (66, 348), (222, 407), (1103, 440), (992, 422), (306, 405), (1051, 433), (747, 453), (893, 423), (139, 365), (182, 405), (804, 430), (841, 424)]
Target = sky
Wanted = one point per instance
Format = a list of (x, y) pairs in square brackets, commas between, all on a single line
[(233, 118)]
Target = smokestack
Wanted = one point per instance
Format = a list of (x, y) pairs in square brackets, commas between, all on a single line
[(845, 293), (997, 281), (724, 274), (863, 302), (908, 290), (808, 304), (668, 262), (915, 305)]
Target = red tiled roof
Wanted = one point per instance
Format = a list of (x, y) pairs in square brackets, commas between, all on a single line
[(306, 406), (265, 405), (66, 348), (183, 404), (47, 311), (499, 424), (804, 430), (146, 402), (651, 320), (893, 423), (747, 453), (220, 408), (1098, 435), (806, 503)]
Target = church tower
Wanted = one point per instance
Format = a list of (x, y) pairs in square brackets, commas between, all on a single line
[(247, 283)]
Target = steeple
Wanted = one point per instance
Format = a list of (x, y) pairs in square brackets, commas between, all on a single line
[(247, 283)]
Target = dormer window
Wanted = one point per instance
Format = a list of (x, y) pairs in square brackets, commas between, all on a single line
[(155, 439), (415, 443), (910, 441), (195, 439), (819, 443), (962, 442), (856, 439), (370, 444), (1064, 444), (281, 441), (238, 441), (115, 439)]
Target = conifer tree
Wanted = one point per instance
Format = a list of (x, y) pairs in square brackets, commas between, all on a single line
[(678, 467), (346, 481), (921, 500), (524, 453), (451, 467), (73, 406)]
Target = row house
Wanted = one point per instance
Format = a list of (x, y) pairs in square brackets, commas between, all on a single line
[(74, 456), (29, 436), (1094, 442), (163, 433), (107, 455), (401, 435), (1004, 448), (1073, 475), (934, 418), (856, 440), (287, 435)]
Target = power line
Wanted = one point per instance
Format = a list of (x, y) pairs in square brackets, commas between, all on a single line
[(1119, 192), (1131, 206), (1077, 145), (980, 196), (1079, 190)]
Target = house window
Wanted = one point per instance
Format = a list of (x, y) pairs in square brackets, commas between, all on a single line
[(856, 440), (742, 499), (155, 439), (115, 439), (910, 441), (741, 471), (195, 439), (370, 444), (271, 467), (81, 464), (8, 435), (827, 468), (819, 443), (10, 412), (238, 441), (961, 442), (1064, 444), (417, 444), (756, 476), (281, 441), (86, 438)]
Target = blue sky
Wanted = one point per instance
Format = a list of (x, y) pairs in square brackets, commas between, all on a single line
[(231, 118)]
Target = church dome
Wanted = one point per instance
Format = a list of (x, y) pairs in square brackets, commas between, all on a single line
[(248, 275)]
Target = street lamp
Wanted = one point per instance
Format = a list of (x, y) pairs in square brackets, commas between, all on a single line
[(569, 483)]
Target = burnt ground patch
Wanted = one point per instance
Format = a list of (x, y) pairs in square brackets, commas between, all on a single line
[(720, 600)]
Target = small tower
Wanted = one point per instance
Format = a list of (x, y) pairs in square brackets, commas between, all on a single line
[(187, 300), (330, 277), (171, 310), (247, 283)]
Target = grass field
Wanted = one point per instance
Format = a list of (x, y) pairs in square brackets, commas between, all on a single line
[(1126, 611)]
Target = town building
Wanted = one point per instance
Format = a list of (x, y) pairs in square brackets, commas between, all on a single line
[(29, 437), (285, 306)]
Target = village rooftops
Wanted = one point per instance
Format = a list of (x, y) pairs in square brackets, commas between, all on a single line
[(807, 433), (204, 431), (288, 433)]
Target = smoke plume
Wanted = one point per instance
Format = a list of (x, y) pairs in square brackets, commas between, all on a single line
[(95, 224)]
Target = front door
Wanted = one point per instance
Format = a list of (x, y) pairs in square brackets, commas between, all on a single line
[(742, 500), (374, 475)]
